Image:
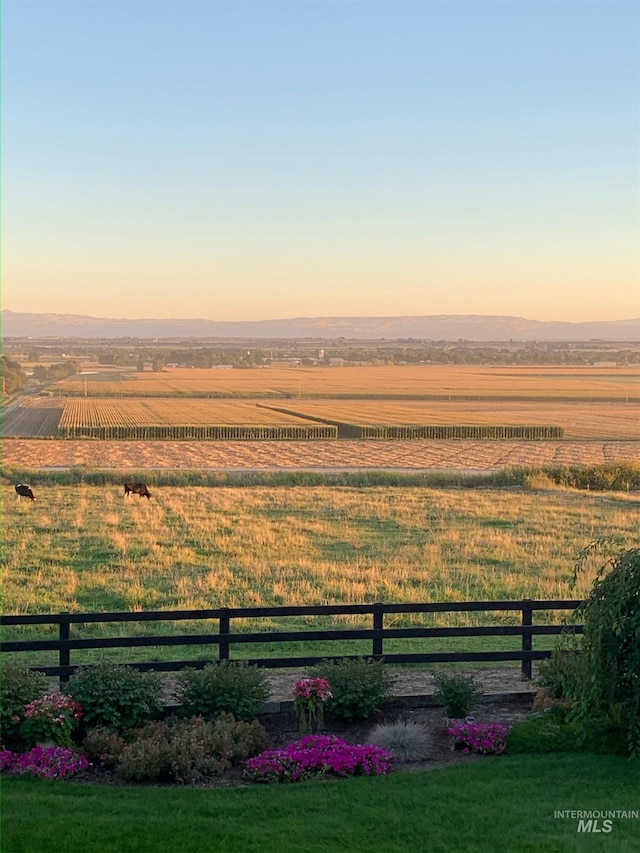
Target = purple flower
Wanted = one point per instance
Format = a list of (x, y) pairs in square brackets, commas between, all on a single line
[(316, 755), (481, 737), (47, 763)]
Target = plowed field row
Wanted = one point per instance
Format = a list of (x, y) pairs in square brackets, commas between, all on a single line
[(578, 420), (41, 416), (269, 455), (141, 413)]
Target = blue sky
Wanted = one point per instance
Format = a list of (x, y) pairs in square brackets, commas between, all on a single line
[(251, 159)]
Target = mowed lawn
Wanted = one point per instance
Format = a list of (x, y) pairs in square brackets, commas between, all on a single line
[(507, 804)]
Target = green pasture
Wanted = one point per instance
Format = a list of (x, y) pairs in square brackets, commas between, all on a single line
[(84, 548), (504, 804)]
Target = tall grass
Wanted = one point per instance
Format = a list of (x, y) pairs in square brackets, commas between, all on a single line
[(87, 549)]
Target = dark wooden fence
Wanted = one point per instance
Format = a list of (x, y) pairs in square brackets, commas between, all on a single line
[(224, 638)]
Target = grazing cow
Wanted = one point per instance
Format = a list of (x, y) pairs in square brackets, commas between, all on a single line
[(136, 489), (23, 491)]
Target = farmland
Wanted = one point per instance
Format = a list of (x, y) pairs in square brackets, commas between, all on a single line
[(452, 455), (83, 548), (413, 381)]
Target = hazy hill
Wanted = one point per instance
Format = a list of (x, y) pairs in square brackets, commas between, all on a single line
[(472, 327)]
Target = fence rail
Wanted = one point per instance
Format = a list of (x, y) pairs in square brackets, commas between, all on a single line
[(224, 638)]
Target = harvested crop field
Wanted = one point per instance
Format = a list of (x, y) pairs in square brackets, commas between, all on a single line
[(578, 420), (270, 455), (417, 381), (160, 418)]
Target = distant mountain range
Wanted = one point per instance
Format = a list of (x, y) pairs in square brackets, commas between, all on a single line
[(439, 327)]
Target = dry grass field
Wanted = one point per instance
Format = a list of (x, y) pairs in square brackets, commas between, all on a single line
[(451, 455), (89, 548), (622, 383)]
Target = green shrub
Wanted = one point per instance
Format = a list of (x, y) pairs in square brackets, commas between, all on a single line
[(562, 672), (548, 731), (610, 687), (115, 696), (103, 747), (227, 687), (459, 693), (185, 751), (359, 687), (19, 686)]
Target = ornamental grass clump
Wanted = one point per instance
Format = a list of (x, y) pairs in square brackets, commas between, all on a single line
[(406, 740), (47, 763), (50, 718), (310, 694), (317, 755), (485, 738)]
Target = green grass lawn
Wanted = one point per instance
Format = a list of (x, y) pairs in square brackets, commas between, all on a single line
[(493, 805)]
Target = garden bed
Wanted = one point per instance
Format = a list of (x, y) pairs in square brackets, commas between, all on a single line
[(282, 729)]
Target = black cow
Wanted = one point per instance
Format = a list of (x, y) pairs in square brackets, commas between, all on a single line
[(136, 489), (23, 491)]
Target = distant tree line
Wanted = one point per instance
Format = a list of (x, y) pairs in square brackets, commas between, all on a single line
[(54, 371), (13, 376), (156, 355)]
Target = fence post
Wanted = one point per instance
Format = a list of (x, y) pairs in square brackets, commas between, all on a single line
[(378, 617), (64, 655), (225, 623), (527, 638)]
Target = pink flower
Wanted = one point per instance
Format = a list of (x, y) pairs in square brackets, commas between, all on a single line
[(307, 688), (316, 755), (481, 737)]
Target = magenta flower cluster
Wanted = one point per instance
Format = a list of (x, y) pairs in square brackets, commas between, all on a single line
[(310, 695), (486, 738), (309, 688), (56, 706), (48, 763), (317, 755), (53, 716)]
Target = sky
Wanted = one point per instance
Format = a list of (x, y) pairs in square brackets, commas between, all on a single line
[(251, 159)]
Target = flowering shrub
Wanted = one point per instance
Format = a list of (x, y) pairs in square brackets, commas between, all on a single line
[(310, 695), (316, 755), (18, 686), (52, 717), (485, 738), (54, 762)]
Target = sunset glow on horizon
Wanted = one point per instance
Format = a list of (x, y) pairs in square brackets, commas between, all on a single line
[(263, 159)]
